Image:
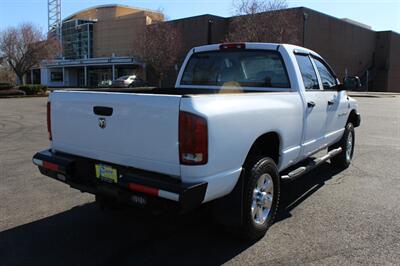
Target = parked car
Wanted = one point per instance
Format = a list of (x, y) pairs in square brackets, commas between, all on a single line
[(129, 82), (242, 119)]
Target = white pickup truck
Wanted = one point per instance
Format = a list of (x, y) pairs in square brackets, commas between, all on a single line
[(241, 119)]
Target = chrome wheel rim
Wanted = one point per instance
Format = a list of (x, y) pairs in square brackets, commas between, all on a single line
[(349, 146), (263, 195)]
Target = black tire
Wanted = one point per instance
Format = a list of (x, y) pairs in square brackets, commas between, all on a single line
[(256, 169), (343, 159)]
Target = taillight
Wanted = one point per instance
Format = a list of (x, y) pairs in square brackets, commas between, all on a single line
[(51, 166), (193, 139), (49, 120), (235, 45)]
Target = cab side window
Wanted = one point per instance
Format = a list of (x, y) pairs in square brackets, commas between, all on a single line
[(308, 74), (327, 78)]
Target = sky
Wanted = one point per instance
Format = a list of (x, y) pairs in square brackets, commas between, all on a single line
[(379, 14)]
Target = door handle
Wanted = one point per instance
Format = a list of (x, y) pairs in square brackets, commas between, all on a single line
[(102, 110), (310, 104), (331, 102)]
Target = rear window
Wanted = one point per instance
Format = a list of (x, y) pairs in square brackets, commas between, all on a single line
[(248, 68)]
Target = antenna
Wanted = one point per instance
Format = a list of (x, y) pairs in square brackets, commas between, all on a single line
[(54, 17)]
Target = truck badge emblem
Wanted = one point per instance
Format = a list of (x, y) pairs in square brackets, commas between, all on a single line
[(102, 122)]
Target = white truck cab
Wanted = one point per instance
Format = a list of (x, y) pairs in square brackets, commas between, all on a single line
[(241, 119)]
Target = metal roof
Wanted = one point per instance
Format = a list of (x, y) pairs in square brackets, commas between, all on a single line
[(107, 6)]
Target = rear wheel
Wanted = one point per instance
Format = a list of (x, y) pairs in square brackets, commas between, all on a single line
[(261, 197), (347, 142)]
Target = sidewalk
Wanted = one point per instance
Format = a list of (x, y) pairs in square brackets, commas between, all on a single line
[(376, 94)]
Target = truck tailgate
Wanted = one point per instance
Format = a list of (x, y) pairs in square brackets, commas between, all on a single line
[(141, 132)]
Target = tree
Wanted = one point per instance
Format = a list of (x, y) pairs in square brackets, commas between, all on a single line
[(264, 21), (159, 47), (23, 48), (247, 7)]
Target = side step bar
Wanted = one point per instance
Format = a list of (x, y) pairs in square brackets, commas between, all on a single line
[(305, 169)]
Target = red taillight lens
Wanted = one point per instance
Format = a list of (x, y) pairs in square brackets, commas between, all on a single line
[(225, 46), (51, 166), (193, 139), (49, 120), (144, 189)]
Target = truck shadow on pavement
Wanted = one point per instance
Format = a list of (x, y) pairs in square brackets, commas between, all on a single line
[(85, 235)]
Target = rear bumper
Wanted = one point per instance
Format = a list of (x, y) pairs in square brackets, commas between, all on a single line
[(133, 186)]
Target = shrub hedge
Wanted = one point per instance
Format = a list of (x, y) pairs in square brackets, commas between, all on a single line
[(6, 86), (33, 89)]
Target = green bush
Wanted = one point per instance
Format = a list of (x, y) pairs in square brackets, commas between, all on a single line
[(33, 89), (6, 86)]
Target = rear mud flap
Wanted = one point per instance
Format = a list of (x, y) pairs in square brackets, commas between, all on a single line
[(229, 209)]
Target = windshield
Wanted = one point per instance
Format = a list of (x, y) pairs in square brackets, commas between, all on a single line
[(249, 68)]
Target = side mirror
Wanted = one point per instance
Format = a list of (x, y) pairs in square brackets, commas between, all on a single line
[(350, 83)]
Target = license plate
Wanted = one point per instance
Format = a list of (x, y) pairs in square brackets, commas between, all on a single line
[(106, 173)]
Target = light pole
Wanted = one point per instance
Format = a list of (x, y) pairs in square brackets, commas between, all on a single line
[(209, 31), (305, 15)]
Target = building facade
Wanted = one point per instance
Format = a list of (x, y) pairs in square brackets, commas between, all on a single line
[(99, 45), (350, 47)]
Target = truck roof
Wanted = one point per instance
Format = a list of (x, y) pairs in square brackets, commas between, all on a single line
[(256, 45)]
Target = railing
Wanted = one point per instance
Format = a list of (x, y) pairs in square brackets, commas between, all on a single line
[(367, 75)]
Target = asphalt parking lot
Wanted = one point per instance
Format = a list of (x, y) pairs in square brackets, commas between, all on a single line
[(326, 217)]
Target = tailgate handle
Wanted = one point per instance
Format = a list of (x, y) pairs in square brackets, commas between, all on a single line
[(102, 110)]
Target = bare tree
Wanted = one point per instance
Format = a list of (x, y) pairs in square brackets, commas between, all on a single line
[(23, 47), (247, 7), (159, 48), (264, 21)]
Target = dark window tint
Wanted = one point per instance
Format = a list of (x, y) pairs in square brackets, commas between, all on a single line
[(56, 76), (327, 78), (244, 68), (307, 72)]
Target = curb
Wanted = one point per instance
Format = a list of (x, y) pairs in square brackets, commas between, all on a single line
[(21, 96)]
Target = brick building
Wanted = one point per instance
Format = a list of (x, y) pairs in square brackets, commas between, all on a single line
[(349, 47), (99, 45)]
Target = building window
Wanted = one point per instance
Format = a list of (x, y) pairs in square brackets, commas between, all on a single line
[(56, 77), (77, 39)]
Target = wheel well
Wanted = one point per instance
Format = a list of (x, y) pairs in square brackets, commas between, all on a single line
[(267, 144), (352, 117)]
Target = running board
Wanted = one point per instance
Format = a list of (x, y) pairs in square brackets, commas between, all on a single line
[(305, 169)]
